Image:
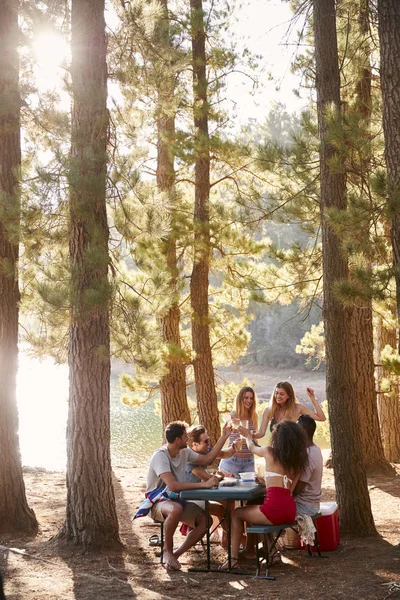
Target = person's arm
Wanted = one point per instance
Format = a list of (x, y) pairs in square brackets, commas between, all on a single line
[(228, 452), (208, 459), (264, 424), (179, 486), (294, 483), (319, 414), (254, 448), (299, 487), (201, 473)]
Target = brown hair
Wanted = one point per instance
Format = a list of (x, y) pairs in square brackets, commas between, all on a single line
[(288, 446), (240, 406), (194, 434), (174, 430), (289, 404)]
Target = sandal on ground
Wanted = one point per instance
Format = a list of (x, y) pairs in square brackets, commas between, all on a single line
[(154, 540), (234, 565)]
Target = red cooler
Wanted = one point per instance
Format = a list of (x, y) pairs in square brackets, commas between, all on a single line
[(328, 527)]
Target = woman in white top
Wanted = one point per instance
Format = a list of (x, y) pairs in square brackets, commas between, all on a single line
[(285, 459)]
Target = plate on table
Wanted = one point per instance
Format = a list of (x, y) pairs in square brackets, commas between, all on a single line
[(228, 482)]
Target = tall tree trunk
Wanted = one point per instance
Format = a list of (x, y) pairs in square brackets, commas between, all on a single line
[(174, 405), (351, 481), (15, 515), (388, 401), (389, 38), (365, 392), (91, 518), (203, 367)]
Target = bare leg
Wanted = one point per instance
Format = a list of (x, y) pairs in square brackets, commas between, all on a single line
[(217, 511), (252, 514), (172, 513), (248, 551), (194, 536)]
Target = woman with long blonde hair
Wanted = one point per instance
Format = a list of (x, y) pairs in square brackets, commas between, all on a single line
[(245, 410), (284, 405)]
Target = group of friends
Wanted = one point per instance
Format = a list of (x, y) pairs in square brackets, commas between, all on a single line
[(293, 470)]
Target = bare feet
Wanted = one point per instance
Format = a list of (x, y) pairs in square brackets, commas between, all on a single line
[(170, 562)]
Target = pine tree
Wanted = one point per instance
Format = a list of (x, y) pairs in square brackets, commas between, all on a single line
[(202, 363), (149, 221), (15, 515), (91, 518), (389, 39), (351, 484), (363, 342)]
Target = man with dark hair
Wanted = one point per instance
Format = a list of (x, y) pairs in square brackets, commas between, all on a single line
[(307, 492), (167, 471)]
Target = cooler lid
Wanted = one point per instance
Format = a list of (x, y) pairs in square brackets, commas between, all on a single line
[(327, 508)]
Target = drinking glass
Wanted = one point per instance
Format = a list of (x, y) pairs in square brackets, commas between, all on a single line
[(235, 424), (244, 423)]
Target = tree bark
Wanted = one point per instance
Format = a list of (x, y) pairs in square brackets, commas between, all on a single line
[(351, 482), (388, 401), (202, 364), (91, 518), (374, 457), (15, 515), (365, 393), (389, 38), (174, 405)]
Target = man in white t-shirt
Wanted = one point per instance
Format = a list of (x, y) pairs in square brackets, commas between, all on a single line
[(307, 492), (167, 470)]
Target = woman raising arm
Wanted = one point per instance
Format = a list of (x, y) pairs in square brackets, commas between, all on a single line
[(284, 405)]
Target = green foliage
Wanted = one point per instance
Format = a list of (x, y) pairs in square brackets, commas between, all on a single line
[(312, 345), (390, 360), (323, 430)]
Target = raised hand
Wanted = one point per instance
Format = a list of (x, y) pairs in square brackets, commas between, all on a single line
[(226, 430), (310, 393), (237, 445), (244, 432)]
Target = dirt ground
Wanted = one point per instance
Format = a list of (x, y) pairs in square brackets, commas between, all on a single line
[(359, 568)]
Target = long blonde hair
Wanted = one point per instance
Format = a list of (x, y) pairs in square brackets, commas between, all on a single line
[(239, 405), (289, 404)]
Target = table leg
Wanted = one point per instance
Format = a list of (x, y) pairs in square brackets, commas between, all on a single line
[(208, 535)]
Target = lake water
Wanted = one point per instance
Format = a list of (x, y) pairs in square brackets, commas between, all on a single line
[(42, 393)]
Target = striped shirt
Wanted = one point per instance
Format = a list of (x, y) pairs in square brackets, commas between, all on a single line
[(244, 452)]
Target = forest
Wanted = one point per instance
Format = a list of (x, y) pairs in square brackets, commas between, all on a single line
[(141, 222)]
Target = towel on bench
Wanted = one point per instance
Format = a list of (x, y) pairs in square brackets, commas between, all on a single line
[(306, 529)]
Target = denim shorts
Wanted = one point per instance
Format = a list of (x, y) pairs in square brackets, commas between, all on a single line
[(302, 508), (236, 464)]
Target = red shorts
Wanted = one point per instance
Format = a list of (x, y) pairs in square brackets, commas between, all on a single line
[(279, 506)]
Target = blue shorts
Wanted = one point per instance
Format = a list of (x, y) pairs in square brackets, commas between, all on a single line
[(302, 508), (236, 465)]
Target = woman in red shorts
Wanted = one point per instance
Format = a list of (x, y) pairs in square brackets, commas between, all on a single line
[(285, 459)]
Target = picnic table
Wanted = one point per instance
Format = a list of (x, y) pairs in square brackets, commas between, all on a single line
[(241, 492)]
